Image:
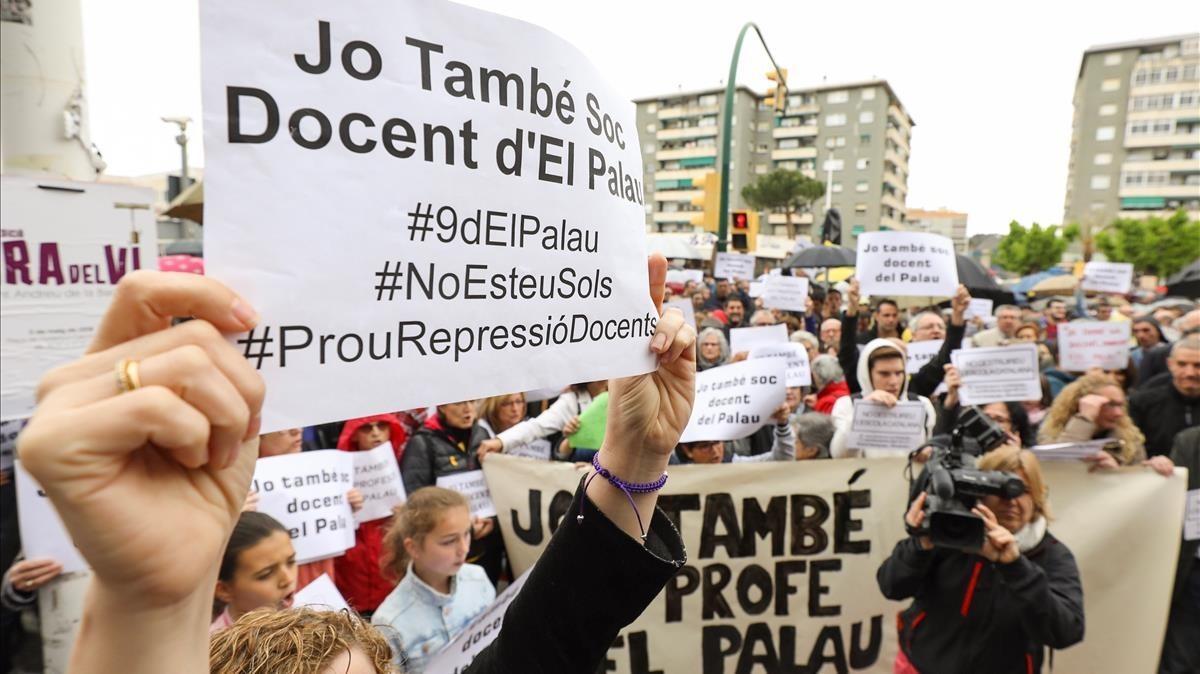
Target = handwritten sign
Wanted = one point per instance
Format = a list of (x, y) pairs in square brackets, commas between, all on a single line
[(906, 264), (789, 293), (472, 485), (920, 353), (377, 477), (998, 374), (881, 428), (795, 358), (744, 339), (1083, 345), (736, 400), (306, 492), (1107, 277), (734, 266)]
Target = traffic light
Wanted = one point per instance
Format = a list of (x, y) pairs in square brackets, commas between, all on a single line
[(710, 200), (778, 99), (743, 231)]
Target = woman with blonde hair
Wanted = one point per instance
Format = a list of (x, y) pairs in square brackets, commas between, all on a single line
[(1094, 407)]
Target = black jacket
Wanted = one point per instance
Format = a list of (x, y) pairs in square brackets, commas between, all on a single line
[(1161, 412), (971, 615), (432, 453), (1186, 454), (924, 382), (594, 579)]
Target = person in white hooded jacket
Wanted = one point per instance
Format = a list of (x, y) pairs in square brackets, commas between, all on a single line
[(882, 375)]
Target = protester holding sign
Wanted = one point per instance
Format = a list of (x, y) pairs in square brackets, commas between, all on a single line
[(356, 573), (561, 417), (439, 593), (258, 569), (881, 369), (497, 414), (994, 610), (1165, 409), (777, 437)]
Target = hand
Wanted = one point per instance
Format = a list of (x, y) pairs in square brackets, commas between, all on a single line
[(173, 457), (923, 455), (781, 413), (251, 503), (28, 575), (571, 426), (959, 304), (882, 397), (355, 498), (1101, 460), (738, 357), (488, 446), (810, 401), (1163, 465), (915, 516), (481, 527), (1090, 405), (953, 381), (853, 296), (999, 544)]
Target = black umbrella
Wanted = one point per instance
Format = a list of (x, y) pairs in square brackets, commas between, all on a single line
[(1186, 282), (821, 256), (980, 283)]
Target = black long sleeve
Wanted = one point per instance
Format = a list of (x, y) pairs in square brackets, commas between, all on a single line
[(905, 573), (591, 581), (1051, 598), (927, 379), (417, 464), (848, 352)]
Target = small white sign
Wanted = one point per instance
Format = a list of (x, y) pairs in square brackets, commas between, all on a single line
[(682, 276), (1191, 518), (321, 594), (789, 293), (736, 400), (306, 492), (756, 289), (43, 535), (534, 449), (745, 339), (998, 374), (920, 353), (1083, 345), (472, 485), (476, 636), (878, 427), (734, 266), (1070, 451), (377, 477), (979, 308), (1107, 277), (685, 307), (906, 264), (795, 357)]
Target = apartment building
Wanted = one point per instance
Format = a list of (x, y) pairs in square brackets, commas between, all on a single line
[(853, 136), (1135, 138), (950, 224)]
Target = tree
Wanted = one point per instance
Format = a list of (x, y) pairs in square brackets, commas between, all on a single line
[(1158, 246), (1027, 250), (783, 190)]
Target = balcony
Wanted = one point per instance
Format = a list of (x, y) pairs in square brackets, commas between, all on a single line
[(1163, 140), (684, 196), (897, 137), (896, 158), (807, 109), (899, 117), (1183, 192), (695, 175), (678, 216), (1172, 165), (794, 131), (890, 177), (893, 201), (891, 223), (682, 111), (685, 153), (794, 153), (686, 132)]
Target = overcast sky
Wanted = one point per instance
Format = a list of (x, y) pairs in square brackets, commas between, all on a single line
[(989, 85)]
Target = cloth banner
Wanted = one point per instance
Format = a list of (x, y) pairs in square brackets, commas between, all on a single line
[(782, 561)]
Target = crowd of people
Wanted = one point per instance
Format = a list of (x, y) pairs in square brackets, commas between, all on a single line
[(419, 577)]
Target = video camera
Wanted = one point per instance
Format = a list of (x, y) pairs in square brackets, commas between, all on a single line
[(953, 484)]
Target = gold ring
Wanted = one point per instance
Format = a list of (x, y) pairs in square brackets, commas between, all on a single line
[(127, 375)]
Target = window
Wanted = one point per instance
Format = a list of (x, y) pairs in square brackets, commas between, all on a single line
[(840, 141), (868, 94), (862, 164), (1111, 84), (1108, 109), (650, 128), (708, 99), (1186, 99), (652, 108), (1112, 59), (838, 119), (1098, 205), (1102, 159), (830, 142), (861, 186), (833, 164), (837, 188), (866, 117), (788, 143), (837, 97), (860, 208), (1101, 182), (1106, 133), (648, 148), (864, 139)]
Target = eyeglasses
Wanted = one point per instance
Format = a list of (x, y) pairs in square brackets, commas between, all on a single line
[(373, 426)]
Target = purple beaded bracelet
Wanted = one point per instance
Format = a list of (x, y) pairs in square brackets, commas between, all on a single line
[(629, 489)]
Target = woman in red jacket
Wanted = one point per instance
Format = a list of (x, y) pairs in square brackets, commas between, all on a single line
[(358, 574)]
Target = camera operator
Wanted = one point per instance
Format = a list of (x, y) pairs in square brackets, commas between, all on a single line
[(995, 609)]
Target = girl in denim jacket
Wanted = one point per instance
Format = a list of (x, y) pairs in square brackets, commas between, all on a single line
[(439, 593)]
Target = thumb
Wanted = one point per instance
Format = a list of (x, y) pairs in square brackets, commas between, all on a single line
[(657, 268)]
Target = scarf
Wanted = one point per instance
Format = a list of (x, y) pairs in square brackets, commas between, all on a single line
[(1031, 534)]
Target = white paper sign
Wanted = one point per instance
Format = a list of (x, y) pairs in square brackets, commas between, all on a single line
[(736, 400), (377, 476), (795, 356), (321, 594), (684, 275), (306, 492), (979, 308), (878, 427), (744, 339), (1191, 518), (1086, 344), (998, 374), (472, 485), (685, 307), (1107, 277), (534, 449), (920, 353), (456, 655), (1070, 451), (66, 245), (43, 535), (906, 264), (734, 266), (756, 289), (789, 293), (472, 178)]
